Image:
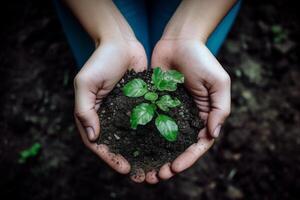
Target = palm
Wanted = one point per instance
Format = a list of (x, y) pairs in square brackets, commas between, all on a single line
[(207, 82), (106, 70), (94, 81)]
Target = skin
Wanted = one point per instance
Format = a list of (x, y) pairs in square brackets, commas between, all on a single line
[(94, 81), (182, 47), (209, 85), (117, 50)]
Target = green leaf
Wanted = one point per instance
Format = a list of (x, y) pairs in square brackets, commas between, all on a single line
[(166, 80), (279, 33), (136, 153), (30, 152), (157, 76), (151, 96), (167, 127), (175, 76), (135, 88), (165, 102), (276, 29), (166, 85), (142, 114)]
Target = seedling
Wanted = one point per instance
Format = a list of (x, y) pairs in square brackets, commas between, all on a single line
[(136, 153), (144, 112), (279, 34), (30, 152)]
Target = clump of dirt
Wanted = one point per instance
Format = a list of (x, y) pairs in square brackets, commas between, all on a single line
[(144, 147)]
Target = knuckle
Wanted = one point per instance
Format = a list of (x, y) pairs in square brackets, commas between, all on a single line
[(226, 112), (225, 79), (78, 114), (79, 79), (81, 115)]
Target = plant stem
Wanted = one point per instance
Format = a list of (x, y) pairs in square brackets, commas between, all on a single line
[(156, 112)]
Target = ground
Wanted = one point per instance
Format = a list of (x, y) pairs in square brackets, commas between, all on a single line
[(256, 157)]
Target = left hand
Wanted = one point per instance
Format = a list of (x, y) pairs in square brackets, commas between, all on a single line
[(106, 66), (208, 83)]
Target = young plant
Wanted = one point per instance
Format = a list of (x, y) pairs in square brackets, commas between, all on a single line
[(144, 112), (29, 153)]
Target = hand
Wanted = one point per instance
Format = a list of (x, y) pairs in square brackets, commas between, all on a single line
[(95, 80), (208, 83)]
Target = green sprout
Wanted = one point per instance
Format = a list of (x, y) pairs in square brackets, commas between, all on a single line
[(29, 153), (144, 112), (136, 153), (279, 34)]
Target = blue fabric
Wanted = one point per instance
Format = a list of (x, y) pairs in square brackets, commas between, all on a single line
[(147, 19), (217, 38), (81, 44)]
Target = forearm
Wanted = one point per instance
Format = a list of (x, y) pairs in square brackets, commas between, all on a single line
[(196, 19), (101, 19)]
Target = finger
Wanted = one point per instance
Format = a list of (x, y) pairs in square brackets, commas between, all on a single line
[(138, 176), (220, 104), (139, 62), (115, 161), (90, 121), (160, 60), (202, 134), (85, 112), (165, 172), (191, 155), (203, 116), (201, 98), (151, 177)]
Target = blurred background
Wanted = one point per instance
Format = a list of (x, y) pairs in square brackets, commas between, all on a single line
[(256, 157)]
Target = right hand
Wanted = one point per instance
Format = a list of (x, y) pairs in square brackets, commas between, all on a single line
[(209, 85), (95, 80)]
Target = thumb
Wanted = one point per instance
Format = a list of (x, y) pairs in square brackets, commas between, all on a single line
[(90, 122), (215, 121), (159, 62), (85, 112), (160, 57), (220, 104), (139, 62)]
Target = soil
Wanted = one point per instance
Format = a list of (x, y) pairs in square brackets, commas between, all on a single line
[(256, 156), (144, 147)]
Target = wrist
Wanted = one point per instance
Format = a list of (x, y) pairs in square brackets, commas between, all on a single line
[(123, 49), (196, 19), (187, 23), (184, 34), (113, 38), (102, 20)]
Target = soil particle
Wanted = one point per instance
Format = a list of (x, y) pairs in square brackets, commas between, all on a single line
[(144, 147)]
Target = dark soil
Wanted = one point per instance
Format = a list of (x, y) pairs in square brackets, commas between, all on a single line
[(256, 156), (144, 147)]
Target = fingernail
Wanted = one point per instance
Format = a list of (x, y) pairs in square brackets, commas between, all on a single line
[(217, 131), (90, 132)]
